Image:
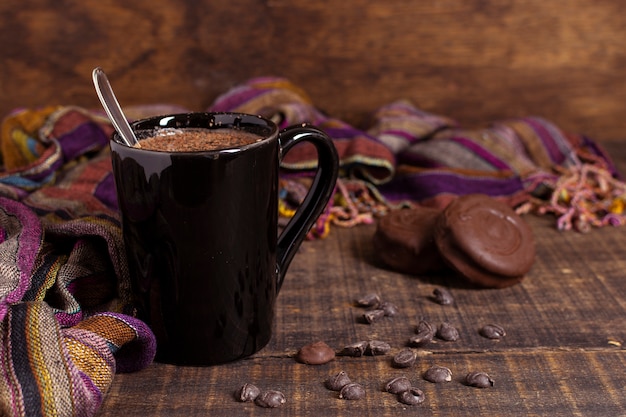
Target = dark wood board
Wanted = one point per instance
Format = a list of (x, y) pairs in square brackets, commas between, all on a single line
[(564, 353), (473, 60), (541, 383)]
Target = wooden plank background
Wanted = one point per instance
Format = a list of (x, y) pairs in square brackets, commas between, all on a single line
[(474, 60)]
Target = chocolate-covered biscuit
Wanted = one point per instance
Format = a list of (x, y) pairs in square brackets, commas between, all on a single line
[(404, 240), (485, 240)]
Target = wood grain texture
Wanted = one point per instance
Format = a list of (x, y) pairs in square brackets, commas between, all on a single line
[(474, 60), (567, 383), (564, 353)]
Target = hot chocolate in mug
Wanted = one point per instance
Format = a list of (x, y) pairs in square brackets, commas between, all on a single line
[(201, 231)]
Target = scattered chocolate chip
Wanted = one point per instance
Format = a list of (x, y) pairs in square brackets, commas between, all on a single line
[(404, 359), (442, 296), (316, 353), (412, 396), (424, 326), (355, 350), (338, 381), (419, 340), (492, 331), (352, 391), (270, 399), (447, 332), (368, 300), (479, 380), (373, 315), (377, 347), (247, 392), (437, 374), (398, 385), (424, 334), (390, 309)]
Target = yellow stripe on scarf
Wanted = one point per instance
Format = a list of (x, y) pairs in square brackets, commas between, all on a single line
[(16, 131)]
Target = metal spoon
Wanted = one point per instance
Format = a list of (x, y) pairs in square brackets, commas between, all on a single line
[(112, 107)]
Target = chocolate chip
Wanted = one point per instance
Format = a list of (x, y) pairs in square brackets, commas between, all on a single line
[(372, 316), (338, 381), (270, 399), (377, 347), (424, 334), (479, 380), (316, 353), (412, 396), (492, 331), (247, 392), (398, 385), (352, 391), (442, 296), (368, 300), (437, 374), (390, 309), (404, 359), (355, 350), (447, 332)]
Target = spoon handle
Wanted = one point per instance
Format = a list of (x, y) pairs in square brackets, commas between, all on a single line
[(112, 107)]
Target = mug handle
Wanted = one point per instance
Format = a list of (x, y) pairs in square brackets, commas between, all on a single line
[(317, 197)]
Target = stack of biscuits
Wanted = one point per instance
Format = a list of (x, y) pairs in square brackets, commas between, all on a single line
[(478, 237)]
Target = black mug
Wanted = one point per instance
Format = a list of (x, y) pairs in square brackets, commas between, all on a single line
[(201, 233)]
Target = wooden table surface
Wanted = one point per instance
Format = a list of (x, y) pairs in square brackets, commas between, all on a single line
[(564, 353)]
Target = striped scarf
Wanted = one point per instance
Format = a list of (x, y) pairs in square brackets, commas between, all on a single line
[(407, 155), (64, 299)]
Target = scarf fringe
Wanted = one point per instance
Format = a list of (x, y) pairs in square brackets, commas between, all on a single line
[(353, 202), (581, 197)]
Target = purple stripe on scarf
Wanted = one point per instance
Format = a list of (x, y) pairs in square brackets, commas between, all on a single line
[(550, 142), (429, 185), (43, 176), (346, 132), (479, 150), (30, 238), (597, 150), (94, 392), (85, 137), (67, 319), (138, 353), (105, 191)]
